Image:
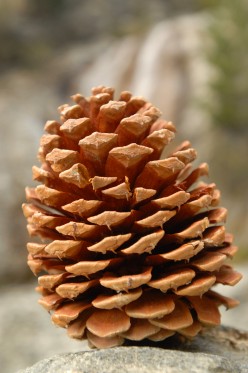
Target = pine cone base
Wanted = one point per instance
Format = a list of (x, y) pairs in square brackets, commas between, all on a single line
[(131, 244)]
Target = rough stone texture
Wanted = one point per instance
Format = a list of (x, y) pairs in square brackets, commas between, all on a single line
[(222, 351)]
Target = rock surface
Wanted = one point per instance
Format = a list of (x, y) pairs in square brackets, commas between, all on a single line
[(222, 350)]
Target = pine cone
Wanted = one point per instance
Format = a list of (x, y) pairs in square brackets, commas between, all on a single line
[(132, 244)]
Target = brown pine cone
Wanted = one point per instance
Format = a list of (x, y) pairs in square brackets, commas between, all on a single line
[(132, 244)]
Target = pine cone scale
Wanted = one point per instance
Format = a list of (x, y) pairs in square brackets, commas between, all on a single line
[(133, 244)]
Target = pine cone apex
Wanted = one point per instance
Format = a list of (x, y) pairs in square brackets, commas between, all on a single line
[(132, 244)]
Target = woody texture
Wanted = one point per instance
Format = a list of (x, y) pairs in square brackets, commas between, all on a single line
[(130, 243)]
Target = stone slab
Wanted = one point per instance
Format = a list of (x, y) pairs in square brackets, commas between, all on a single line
[(221, 350)]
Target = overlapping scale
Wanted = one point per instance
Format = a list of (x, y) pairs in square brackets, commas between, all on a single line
[(132, 244)]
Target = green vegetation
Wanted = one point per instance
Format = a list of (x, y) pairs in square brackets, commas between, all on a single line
[(228, 54), (227, 106)]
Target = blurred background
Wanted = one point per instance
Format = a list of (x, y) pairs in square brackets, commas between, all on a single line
[(188, 58)]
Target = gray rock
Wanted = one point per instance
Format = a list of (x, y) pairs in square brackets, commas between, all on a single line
[(223, 350), (133, 360)]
